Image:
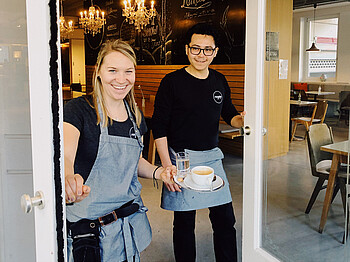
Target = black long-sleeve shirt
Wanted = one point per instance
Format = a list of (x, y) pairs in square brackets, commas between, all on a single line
[(187, 110)]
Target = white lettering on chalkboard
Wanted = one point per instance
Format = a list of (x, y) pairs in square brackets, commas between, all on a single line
[(195, 4)]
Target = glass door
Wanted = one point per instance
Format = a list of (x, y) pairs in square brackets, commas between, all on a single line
[(295, 198)]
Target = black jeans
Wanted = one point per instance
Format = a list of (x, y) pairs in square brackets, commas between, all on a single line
[(222, 220)]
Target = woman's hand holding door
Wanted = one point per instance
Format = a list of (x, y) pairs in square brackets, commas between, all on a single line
[(76, 191)]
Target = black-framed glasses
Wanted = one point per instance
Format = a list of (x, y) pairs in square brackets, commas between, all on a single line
[(208, 51)]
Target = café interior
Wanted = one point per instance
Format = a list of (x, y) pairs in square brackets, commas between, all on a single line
[(306, 110)]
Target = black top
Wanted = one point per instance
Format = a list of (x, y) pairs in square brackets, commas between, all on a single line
[(187, 110), (80, 114)]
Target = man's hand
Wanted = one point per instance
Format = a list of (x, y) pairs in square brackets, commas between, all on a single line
[(76, 191), (238, 120)]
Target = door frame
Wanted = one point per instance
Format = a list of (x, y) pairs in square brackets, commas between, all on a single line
[(38, 36), (42, 129), (253, 144)]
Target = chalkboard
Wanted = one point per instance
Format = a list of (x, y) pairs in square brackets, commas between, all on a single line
[(227, 16), (162, 41), (146, 43)]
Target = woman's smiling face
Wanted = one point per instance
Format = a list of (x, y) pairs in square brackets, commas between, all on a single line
[(117, 76)]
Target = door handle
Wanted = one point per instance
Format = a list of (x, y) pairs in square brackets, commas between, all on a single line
[(27, 202), (244, 130)]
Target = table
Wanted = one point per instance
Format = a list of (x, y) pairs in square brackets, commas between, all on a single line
[(316, 93), (68, 94), (302, 103), (340, 151)]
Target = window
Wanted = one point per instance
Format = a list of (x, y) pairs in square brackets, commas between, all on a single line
[(324, 33)]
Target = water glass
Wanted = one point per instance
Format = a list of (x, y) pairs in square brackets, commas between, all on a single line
[(182, 164)]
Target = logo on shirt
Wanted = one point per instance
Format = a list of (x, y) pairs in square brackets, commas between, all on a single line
[(217, 96), (132, 133)]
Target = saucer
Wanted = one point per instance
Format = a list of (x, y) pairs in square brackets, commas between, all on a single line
[(189, 184), (180, 181)]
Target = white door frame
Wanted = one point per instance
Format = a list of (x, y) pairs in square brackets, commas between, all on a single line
[(253, 151), (38, 36), (38, 33)]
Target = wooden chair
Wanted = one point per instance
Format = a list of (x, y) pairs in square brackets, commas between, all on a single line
[(318, 115), (319, 135), (151, 149)]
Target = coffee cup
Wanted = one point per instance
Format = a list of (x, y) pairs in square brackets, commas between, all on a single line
[(202, 175)]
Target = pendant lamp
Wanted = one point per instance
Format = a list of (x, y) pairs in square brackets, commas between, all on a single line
[(313, 46)]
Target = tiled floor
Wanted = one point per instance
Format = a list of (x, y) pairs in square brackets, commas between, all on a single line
[(289, 233)]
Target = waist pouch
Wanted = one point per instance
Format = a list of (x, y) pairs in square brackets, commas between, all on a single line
[(85, 233)]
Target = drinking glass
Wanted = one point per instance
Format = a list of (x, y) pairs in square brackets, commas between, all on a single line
[(182, 164)]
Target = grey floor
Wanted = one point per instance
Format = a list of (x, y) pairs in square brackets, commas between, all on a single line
[(289, 233)]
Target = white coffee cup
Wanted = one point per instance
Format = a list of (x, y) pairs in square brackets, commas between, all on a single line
[(202, 175)]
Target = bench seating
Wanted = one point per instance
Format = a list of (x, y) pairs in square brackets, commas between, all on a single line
[(148, 77)]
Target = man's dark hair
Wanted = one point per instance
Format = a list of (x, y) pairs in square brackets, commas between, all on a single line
[(201, 29)]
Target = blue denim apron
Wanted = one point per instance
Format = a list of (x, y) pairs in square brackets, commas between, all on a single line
[(113, 182), (190, 199)]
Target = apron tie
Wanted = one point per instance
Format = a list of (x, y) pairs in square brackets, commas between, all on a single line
[(128, 239)]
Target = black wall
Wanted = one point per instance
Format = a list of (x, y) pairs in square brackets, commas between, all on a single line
[(162, 41)]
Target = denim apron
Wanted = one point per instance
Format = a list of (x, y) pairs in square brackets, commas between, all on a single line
[(113, 182), (190, 199)]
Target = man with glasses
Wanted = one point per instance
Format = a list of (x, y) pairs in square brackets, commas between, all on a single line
[(187, 111)]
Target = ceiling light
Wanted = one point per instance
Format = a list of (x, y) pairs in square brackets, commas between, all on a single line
[(138, 14), (65, 29), (313, 46), (91, 21)]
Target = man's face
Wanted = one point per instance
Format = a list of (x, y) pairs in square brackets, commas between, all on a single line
[(201, 51)]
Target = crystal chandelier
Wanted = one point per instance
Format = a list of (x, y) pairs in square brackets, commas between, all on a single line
[(65, 29), (91, 20), (138, 14)]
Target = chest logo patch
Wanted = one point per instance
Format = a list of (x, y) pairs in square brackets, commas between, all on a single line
[(217, 96), (132, 133)]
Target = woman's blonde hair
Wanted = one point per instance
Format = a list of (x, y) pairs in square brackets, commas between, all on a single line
[(108, 47)]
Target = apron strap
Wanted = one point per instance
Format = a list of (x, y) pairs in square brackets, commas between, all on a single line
[(137, 131), (104, 130)]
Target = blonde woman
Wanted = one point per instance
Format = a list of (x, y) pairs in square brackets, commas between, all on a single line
[(102, 149)]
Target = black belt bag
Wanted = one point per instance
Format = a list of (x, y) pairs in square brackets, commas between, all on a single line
[(85, 233)]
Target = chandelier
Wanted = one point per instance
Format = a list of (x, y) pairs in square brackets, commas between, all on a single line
[(138, 14), (65, 29), (91, 20)]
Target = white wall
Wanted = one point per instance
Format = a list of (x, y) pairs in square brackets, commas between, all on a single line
[(343, 12)]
